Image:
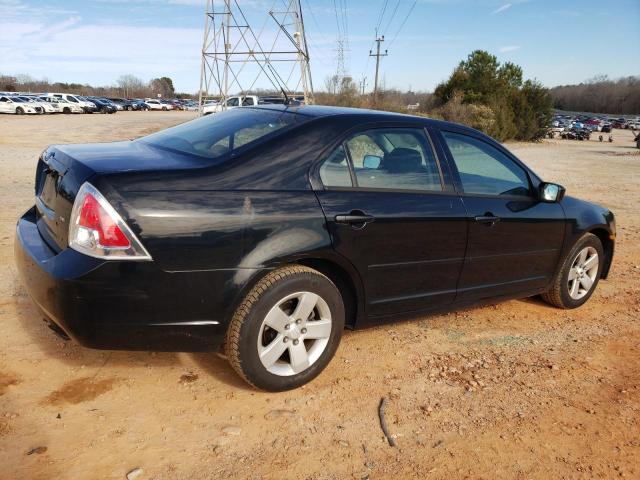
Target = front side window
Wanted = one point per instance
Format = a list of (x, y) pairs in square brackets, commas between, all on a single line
[(212, 136), (232, 102), (72, 99), (247, 102), (484, 169), (398, 159)]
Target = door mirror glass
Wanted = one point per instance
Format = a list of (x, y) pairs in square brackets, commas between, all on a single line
[(371, 161), (551, 192)]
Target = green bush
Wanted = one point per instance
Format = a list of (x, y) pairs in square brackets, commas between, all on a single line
[(492, 97)]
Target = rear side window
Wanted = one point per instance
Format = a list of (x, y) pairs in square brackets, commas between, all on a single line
[(334, 172), (215, 135), (484, 169), (247, 102)]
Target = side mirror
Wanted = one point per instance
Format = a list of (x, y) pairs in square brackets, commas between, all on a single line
[(371, 161), (551, 192)]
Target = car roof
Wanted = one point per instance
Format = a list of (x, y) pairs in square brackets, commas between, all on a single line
[(323, 111)]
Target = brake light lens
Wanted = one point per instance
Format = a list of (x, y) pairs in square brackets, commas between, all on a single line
[(97, 230)]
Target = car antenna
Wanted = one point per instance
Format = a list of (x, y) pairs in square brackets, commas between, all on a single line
[(286, 97)]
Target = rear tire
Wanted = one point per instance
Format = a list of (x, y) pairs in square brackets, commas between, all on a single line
[(286, 330), (580, 269), (19, 111)]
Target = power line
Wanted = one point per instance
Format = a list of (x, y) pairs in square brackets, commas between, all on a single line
[(403, 22), (393, 15), (384, 9)]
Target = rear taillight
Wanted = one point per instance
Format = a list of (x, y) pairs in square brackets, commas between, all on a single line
[(97, 230)]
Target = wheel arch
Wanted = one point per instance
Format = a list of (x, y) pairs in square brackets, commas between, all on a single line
[(345, 283), (345, 278), (607, 245)]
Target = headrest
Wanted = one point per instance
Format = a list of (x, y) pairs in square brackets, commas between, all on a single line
[(402, 160)]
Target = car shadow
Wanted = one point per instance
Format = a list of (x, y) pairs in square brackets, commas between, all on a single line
[(67, 351)]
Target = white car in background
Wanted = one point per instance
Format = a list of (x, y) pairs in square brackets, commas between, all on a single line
[(155, 104), (64, 106), (86, 105), (231, 103), (40, 106), (10, 104)]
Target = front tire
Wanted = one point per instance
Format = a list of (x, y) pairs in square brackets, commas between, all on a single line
[(579, 274), (19, 111), (286, 330)]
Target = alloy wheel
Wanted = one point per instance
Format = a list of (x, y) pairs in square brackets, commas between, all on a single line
[(583, 273), (294, 334)]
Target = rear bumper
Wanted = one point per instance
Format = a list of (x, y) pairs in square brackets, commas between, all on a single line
[(120, 305)]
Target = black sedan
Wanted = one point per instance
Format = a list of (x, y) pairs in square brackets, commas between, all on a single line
[(268, 230), (103, 105)]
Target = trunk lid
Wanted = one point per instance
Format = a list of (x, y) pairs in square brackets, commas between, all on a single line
[(62, 169)]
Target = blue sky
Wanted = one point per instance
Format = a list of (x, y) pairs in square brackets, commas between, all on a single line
[(557, 42)]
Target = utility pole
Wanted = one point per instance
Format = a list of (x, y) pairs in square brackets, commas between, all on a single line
[(363, 84), (379, 40)]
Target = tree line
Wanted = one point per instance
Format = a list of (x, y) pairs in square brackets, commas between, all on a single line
[(600, 95), (127, 86)]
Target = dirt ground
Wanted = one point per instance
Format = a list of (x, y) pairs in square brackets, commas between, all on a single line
[(516, 390)]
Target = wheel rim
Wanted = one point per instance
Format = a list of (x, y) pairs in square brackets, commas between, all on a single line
[(583, 273), (294, 333)]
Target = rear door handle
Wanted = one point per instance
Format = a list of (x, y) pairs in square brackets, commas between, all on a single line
[(488, 219), (354, 218)]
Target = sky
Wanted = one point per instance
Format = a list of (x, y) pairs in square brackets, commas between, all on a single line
[(96, 41)]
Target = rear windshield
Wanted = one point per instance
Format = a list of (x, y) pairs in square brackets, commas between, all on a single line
[(213, 136)]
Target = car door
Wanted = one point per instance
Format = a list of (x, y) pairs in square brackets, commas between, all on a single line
[(515, 239), (391, 214)]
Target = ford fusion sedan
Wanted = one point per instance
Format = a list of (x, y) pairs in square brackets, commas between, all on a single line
[(268, 230)]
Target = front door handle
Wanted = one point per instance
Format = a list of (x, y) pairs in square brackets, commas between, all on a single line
[(355, 217), (488, 219)]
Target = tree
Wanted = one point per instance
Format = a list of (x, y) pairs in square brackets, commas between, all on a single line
[(130, 85), (163, 86), (520, 109)]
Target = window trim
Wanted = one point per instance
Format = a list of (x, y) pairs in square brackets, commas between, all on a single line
[(457, 181), (315, 172)]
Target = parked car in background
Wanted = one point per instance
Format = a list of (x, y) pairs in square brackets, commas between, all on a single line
[(619, 123), (87, 106), (154, 104), (269, 229), (167, 105), (606, 128), (103, 105), (52, 102), (40, 106), (120, 103), (634, 124), (138, 104), (231, 103), (191, 106), (17, 106), (64, 106)]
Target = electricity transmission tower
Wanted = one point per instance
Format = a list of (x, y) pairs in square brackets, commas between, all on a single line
[(379, 40), (234, 59)]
